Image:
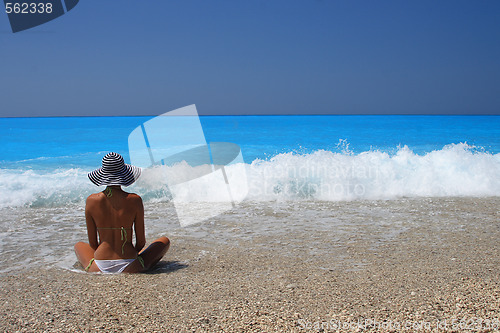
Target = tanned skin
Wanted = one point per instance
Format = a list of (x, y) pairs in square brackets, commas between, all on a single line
[(121, 209)]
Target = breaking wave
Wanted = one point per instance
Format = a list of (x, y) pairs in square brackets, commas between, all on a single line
[(454, 170)]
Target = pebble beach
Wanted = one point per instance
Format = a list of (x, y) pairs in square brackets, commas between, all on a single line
[(438, 272)]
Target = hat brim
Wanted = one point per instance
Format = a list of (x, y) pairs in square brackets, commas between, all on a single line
[(125, 177)]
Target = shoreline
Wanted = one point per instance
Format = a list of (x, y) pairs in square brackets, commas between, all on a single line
[(427, 272)]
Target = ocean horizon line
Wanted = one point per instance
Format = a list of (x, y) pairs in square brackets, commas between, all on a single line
[(265, 115)]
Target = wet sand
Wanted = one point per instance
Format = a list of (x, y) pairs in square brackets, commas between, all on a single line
[(438, 271)]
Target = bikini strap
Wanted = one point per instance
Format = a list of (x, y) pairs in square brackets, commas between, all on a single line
[(90, 264), (141, 261), (123, 235)]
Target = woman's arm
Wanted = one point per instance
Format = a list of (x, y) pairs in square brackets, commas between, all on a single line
[(91, 227), (140, 236)]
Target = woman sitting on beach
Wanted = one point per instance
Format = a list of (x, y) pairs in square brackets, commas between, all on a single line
[(112, 215)]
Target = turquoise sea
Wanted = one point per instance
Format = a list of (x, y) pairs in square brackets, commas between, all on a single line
[(44, 161), (308, 165)]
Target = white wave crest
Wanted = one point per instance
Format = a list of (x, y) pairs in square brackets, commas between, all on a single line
[(38, 188), (455, 170)]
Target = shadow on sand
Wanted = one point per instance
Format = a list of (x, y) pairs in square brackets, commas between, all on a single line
[(159, 268), (167, 267)]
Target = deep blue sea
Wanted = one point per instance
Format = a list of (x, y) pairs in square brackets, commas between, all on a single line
[(44, 161)]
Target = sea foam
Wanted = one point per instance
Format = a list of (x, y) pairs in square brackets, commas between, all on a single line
[(454, 170)]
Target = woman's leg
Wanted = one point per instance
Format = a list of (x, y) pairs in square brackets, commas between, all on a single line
[(151, 255), (154, 252), (85, 253)]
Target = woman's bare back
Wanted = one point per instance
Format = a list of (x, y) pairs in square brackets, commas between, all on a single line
[(113, 219)]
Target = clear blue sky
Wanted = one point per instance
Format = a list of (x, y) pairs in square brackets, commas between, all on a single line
[(137, 57)]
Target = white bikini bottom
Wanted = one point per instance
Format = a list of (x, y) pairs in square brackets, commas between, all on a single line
[(113, 266)]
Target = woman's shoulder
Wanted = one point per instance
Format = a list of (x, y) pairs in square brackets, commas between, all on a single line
[(101, 197), (134, 197), (95, 196), (93, 200)]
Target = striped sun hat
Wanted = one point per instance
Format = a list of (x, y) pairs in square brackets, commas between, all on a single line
[(114, 171)]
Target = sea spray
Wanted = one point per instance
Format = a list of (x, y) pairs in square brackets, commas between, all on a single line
[(454, 170)]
